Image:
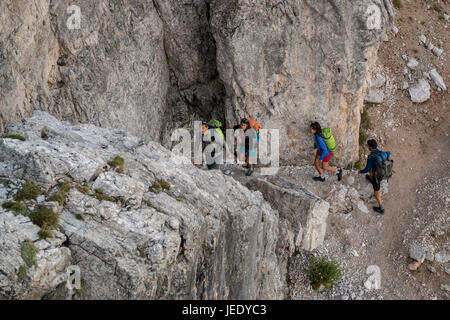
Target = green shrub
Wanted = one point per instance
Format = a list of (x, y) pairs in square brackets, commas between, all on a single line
[(164, 184), (23, 272), (288, 279), (14, 136), (324, 273), (398, 4), (15, 207), (101, 195), (156, 187), (61, 195), (28, 253), (118, 163), (84, 189), (79, 216), (45, 232), (29, 191), (44, 134), (44, 218), (141, 253)]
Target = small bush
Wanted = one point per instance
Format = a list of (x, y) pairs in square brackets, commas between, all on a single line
[(148, 203), (23, 272), (324, 273), (101, 195), (288, 279), (156, 187), (164, 184), (29, 191), (118, 163), (61, 195), (44, 218), (44, 134), (84, 189), (398, 4), (28, 253), (179, 198), (15, 207), (14, 136), (79, 216), (141, 253), (45, 233)]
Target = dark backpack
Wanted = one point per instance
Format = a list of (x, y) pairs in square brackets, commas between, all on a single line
[(383, 165)]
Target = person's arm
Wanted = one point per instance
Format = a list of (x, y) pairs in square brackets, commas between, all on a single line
[(322, 148), (368, 165)]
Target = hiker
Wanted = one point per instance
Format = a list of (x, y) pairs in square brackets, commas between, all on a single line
[(213, 136), (323, 154), (375, 160), (248, 147)]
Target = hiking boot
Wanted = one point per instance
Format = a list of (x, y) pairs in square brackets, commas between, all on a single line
[(339, 174), (380, 210), (249, 172), (319, 179)]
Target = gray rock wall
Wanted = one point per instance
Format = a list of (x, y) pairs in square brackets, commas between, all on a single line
[(288, 63), (207, 237), (151, 66)]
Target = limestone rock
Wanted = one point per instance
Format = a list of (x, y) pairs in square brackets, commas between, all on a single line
[(414, 266), (437, 79), (289, 62), (412, 63), (442, 257), (374, 96), (420, 92), (205, 236), (305, 212), (420, 253)]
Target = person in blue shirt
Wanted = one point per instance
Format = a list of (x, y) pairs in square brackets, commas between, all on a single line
[(323, 155), (376, 156)]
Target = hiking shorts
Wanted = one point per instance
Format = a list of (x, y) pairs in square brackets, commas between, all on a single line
[(327, 158), (376, 183)]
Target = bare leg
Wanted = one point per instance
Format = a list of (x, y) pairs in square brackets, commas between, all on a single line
[(378, 196), (328, 168), (317, 164)]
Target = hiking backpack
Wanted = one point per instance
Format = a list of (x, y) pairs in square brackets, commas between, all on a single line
[(255, 126), (216, 124), (383, 165), (327, 136)]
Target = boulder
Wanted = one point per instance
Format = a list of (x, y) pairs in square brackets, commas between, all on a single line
[(437, 79), (306, 213), (374, 96), (420, 92)]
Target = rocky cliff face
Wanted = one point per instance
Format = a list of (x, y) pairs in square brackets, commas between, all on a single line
[(152, 226), (288, 63), (150, 66)]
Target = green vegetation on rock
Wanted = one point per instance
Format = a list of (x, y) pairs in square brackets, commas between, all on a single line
[(14, 136), (29, 191), (15, 207), (118, 163), (323, 272)]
